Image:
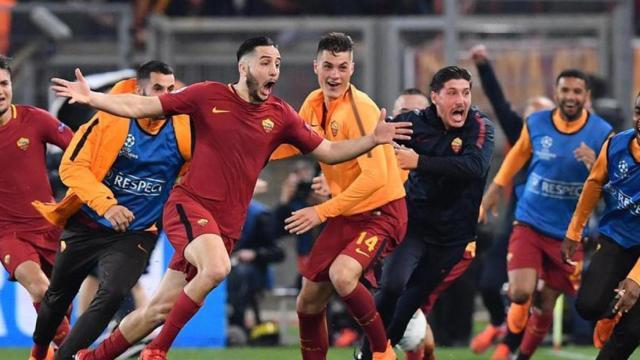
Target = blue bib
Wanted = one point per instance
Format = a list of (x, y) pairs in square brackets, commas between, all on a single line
[(143, 174), (621, 219), (555, 177)]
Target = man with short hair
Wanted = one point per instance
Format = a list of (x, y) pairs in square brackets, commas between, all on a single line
[(555, 142), (448, 158), (119, 173), (205, 212), (366, 215), (28, 243)]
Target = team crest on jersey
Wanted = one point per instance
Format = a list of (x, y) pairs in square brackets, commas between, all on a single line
[(267, 125), (23, 143), (334, 128), (203, 222), (456, 145), (623, 168), (7, 259)]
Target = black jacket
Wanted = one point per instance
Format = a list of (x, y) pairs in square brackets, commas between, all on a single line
[(444, 192)]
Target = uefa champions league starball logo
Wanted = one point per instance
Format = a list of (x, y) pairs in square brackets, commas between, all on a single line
[(131, 140), (623, 168), (546, 142)]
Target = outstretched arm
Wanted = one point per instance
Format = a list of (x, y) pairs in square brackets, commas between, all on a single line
[(125, 105), (334, 152)]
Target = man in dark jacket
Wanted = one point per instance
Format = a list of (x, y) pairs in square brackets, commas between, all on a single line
[(448, 158)]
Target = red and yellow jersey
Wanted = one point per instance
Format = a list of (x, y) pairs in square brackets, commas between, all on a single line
[(362, 184), (24, 177)]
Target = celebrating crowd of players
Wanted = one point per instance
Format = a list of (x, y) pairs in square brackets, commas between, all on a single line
[(405, 193)]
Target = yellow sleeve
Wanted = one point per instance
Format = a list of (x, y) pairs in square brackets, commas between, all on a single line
[(634, 274), (285, 150), (589, 196), (373, 169), (519, 154), (75, 169)]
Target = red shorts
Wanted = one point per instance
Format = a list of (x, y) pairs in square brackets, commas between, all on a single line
[(21, 246), (184, 219), (453, 275), (530, 249), (363, 237)]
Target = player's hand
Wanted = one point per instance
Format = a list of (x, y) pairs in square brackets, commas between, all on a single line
[(386, 132), (585, 154), (478, 54), (320, 186), (120, 217), (407, 158), (627, 294), (77, 91), (489, 203), (569, 248), (302, 221)]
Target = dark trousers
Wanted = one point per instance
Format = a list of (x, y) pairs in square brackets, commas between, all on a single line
[(121, 259), (610, 264), (409, 274)]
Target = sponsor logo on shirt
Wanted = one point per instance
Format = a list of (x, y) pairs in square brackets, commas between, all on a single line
[(334, 128), (553, 188), (624, 201), (267, 125), (23, 143), (203, 222), (135, 185), (215, 110), (545, 154), (456, 145)]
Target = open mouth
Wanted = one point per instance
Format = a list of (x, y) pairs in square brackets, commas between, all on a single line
[(458, 115), (267, 88), (333, 85)]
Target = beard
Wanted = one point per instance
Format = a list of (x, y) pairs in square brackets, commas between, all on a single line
[(253, 87)]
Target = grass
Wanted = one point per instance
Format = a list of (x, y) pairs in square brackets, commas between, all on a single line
[(292, 352)]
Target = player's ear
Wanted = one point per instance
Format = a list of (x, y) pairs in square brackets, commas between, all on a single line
[(242, 68), (315, 66)]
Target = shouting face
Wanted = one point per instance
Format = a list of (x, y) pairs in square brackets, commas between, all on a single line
[(453, 102), (261, 71)]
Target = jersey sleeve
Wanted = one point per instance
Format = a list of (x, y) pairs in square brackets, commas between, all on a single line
[(53, 130), (519, 154), (373, 167), (299, 134), (75, 168), (589, 196), (183, 101)]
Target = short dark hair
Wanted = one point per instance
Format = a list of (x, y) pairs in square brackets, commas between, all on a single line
[(145, 69), (449, 73), (574, 73), (5, 63), (413, 91), (250, 44), (336, 42)]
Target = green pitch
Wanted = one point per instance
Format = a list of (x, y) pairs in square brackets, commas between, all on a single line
[(292, 353)]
